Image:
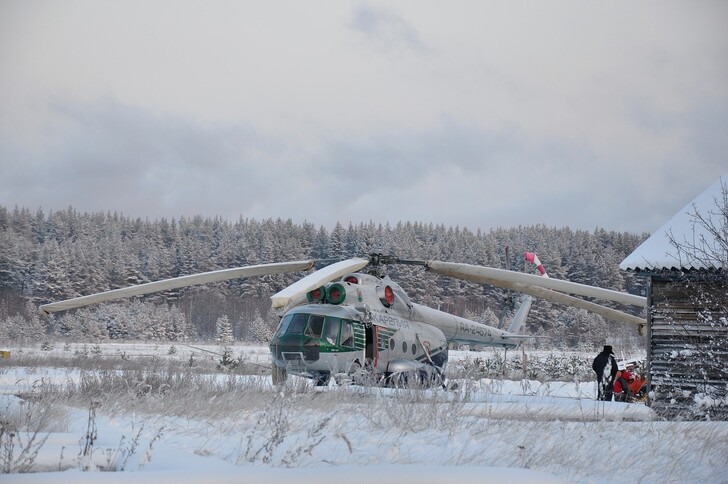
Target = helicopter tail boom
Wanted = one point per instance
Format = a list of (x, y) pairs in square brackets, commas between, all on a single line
[(519, 320), (464, 331)]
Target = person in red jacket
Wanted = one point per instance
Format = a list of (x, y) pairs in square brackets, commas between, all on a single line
[(622, 390), (629, 385)]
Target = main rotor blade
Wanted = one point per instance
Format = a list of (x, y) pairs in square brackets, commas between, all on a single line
[(177, 282), (557, 297), (561, 298), (312, 281), (485, 274)]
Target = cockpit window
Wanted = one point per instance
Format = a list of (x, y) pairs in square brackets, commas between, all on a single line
[(315, 325), (331, 331), (297, 324), (347, 334), (284, 325)]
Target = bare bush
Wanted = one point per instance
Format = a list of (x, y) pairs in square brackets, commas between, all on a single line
[(22, 436), (245, 420)]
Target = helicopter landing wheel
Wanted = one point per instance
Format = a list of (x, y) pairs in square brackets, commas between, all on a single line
[(322, 379)]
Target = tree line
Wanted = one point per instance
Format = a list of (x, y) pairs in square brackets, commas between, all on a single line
[(62, 254)]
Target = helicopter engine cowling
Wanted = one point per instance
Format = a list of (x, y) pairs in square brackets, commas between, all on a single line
[(356, 288)]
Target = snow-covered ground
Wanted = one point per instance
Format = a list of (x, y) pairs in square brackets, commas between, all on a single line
[(159, 420)]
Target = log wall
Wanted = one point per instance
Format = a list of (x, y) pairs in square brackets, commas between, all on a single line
[(688, 353)]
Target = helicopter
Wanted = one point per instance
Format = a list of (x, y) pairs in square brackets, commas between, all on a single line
[(350, 319)]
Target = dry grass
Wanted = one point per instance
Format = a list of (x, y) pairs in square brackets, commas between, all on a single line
[(241, 418)]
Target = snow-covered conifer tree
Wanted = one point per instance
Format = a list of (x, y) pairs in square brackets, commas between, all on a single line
[(224, 330), (260, 329)]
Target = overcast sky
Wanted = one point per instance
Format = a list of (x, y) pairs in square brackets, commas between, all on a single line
[(471, 113)]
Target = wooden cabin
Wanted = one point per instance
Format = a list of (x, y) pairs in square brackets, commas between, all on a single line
[(687, 322)]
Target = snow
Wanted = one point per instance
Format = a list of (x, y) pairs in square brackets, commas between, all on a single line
[(345, 474), (657, 252), (490, 430)]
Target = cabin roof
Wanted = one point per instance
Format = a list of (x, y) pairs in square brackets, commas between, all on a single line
[(659, 253)]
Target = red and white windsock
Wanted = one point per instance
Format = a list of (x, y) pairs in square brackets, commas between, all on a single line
[(533, 258)]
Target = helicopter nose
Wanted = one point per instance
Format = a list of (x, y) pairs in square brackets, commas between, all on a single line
[(287, 350)]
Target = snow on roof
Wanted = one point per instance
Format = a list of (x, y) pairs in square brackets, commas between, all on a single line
[(660, 251)]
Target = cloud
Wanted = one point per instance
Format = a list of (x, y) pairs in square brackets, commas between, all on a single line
[(480, 114), (386, 29), (106, 156)]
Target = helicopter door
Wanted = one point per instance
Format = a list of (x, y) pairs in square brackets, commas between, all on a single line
[(370, 348)]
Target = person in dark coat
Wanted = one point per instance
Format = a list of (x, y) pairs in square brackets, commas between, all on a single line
[(605, 366)]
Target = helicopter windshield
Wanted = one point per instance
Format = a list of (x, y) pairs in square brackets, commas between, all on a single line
[(292, 324), (327, 329)]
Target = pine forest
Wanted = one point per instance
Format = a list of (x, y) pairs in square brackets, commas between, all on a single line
[(64, 254)]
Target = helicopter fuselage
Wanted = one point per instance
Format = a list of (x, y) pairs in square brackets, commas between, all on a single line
[(317, 340), (364, 322)]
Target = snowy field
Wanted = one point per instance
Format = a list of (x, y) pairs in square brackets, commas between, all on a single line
[(123, 412)]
